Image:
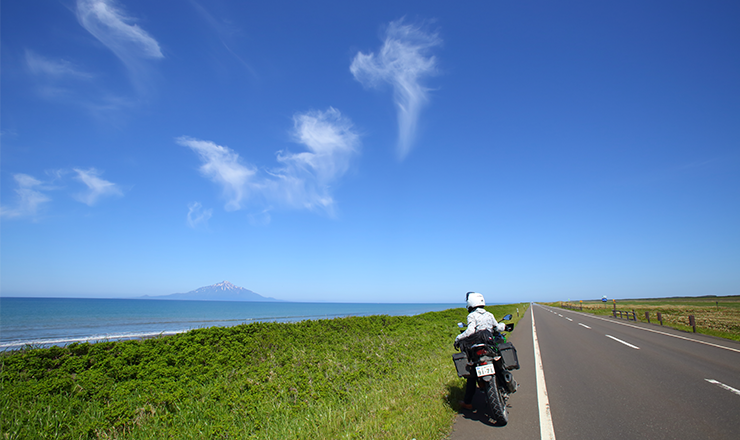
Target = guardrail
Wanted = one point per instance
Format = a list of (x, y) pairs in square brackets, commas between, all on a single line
[(571, 306), (625, 314)]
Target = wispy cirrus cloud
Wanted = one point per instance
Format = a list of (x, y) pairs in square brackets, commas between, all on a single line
[(402, 62), (225, 32), (57, 78), (302, 180), (223, 166), (197, 215), (40, 65), (97, 188), (117, 31), (29, 196), (33, 193)]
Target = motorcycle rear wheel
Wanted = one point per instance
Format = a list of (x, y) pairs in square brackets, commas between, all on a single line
[(496, 402)]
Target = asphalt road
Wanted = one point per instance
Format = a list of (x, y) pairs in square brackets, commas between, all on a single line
[(609, 378)]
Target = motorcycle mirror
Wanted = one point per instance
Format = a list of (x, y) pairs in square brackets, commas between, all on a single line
[(506, 318), (460, 325)]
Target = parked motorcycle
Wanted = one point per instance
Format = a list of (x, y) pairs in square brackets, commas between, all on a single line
[(489, 357)]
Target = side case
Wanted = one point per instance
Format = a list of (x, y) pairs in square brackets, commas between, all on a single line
[(461, 364), (508, 352)]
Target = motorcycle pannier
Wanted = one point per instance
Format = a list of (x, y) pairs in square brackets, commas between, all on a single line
[(508, 352), (461, 363)]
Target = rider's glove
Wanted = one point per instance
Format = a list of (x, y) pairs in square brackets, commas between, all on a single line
[(456, 345)]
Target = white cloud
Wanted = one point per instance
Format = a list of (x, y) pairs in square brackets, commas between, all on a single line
[(302, 180), (305, 180), (402, 62), (39, 65), (197, 215), (29, 197), (130, 43), (97, 187), (31, 194), (223, 166), (109, 25)]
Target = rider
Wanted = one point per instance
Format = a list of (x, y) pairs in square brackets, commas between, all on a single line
[(478, 319)]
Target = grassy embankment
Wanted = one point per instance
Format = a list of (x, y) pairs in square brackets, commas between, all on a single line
[(378, 377), (716, 316)]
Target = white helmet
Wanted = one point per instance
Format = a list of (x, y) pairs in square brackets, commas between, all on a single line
[(475, 300)]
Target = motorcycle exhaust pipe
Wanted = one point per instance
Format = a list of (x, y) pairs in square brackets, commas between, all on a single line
[(510, 382)]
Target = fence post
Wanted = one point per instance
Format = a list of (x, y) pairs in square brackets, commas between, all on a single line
[(647, 316), (692, 322), (634, 317), (660, 318)]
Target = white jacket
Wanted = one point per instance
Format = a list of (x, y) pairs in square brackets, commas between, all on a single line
[(479, 319)]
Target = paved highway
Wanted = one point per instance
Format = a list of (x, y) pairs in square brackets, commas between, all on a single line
[(608, 378)]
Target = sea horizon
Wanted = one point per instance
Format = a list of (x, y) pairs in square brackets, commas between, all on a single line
[(47, 321)]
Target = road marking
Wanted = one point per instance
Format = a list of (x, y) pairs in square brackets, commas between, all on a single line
[(584, 325), (568, 319), (721, 385), (663, 333), (543, 403), (560, 315), (625, 343)]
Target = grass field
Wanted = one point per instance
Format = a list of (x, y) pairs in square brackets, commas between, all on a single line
[(717, 316), (375, 377)]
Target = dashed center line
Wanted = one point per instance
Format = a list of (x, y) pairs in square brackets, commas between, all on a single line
[(584, 325), (568, 319), (560, 315), (721, 385), (625, 343)]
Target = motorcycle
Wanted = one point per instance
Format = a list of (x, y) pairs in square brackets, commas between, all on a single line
[(490, 358)]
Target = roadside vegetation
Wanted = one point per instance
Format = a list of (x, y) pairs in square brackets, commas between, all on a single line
[(376, 377), (715, 315)]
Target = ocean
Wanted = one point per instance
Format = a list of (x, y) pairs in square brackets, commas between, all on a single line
[(61, 321)]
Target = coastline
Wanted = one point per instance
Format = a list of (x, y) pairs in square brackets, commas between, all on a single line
[(44, 322)]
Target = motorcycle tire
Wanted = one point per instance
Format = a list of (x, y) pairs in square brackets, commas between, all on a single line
[(496, 402)]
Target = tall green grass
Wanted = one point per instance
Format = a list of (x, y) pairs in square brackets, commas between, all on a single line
[(377, 377), (716, 316)]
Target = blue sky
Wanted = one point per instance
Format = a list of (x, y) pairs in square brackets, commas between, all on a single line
[(379, 152)]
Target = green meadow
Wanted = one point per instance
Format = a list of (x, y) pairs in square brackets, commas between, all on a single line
[(715, 315), (376, 377)]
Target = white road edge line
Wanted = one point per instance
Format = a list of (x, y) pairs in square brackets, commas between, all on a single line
[(661, 333), (721, 385), (584, 325), (625, 343), (546, 429)]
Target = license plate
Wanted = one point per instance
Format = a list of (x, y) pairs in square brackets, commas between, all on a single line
[(485, 370)]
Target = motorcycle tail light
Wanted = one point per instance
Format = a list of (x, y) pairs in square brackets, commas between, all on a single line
[(480, 352)]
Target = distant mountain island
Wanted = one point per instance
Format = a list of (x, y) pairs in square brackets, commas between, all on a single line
[(224, 291)]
